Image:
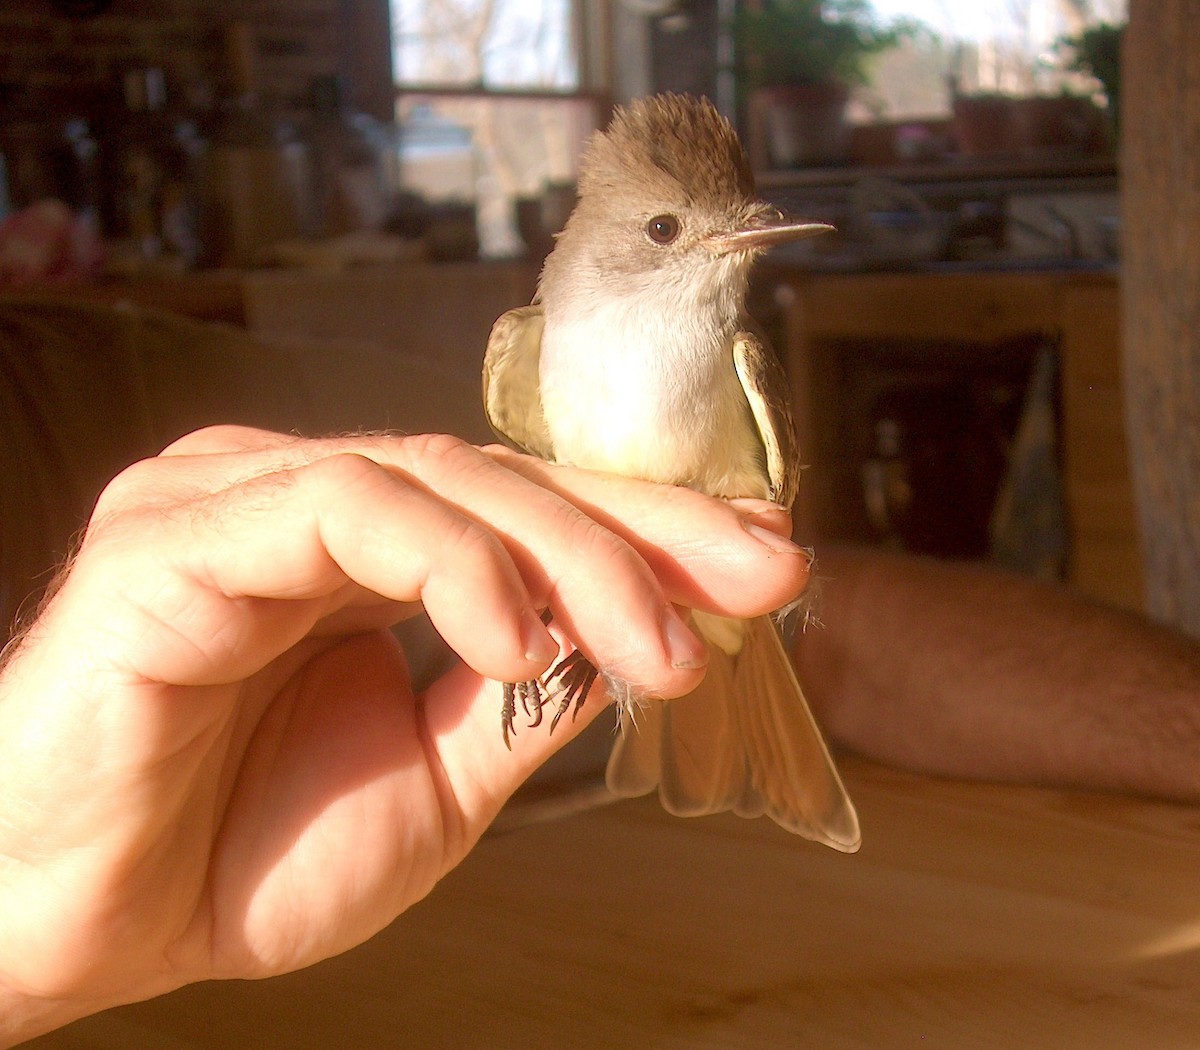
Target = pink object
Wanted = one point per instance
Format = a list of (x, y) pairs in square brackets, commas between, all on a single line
[(48, 242)]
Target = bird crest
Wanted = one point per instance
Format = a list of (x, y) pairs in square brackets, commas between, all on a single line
[(679, 137)]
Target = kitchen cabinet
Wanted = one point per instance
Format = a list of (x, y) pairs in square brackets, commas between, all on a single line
[(826, 317), (210, 295)]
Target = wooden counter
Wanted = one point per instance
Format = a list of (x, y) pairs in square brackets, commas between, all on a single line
[(975, 916), (211, 295)]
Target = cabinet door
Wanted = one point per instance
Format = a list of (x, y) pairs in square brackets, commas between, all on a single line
[(968, 314)]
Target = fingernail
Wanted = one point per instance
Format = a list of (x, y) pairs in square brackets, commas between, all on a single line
[(684, 649), (540, 646), (749, 506), (773, 541)]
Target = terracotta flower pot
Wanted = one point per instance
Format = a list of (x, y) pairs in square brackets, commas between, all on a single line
[(802, 125), (986, 126), (1061, 124)]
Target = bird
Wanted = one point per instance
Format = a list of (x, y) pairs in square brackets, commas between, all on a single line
[(636, 357)]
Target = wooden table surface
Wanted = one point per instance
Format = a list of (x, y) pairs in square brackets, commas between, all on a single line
[(975, 916)]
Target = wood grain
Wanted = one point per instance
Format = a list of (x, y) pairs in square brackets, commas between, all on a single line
[(1160, 207), (1105, 561), (976, 916)]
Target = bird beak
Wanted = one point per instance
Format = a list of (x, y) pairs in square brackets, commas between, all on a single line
[(764, 231)]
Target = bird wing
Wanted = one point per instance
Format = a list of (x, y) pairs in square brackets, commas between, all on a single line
[(512, 397), (766, 386)]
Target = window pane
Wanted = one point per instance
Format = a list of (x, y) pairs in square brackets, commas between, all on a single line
[(487, 43), (492, 151), (1006, 46)]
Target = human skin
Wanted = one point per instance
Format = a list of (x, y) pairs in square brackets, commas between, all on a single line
[(213, 763), (965, 670)]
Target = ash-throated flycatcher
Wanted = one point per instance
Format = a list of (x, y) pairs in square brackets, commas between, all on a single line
[(636, 357)]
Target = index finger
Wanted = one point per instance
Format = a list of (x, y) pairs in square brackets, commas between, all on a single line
[(721, 556)]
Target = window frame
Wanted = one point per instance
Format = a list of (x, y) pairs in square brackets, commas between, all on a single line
[(369, 36)]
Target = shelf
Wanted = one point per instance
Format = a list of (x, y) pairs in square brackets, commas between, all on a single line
[(952, 171)]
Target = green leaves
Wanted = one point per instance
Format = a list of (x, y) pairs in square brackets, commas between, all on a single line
[(812, 41)]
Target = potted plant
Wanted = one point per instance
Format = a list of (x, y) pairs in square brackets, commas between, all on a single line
[(1048, 123), (986, 124), (1096, 51), (797, 61)]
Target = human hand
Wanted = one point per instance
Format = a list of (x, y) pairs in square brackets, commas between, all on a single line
[(212, 761)]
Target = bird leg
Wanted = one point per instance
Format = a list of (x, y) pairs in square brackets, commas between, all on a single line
[(575, 674), (531, 695), (533, 698), (570, 680)]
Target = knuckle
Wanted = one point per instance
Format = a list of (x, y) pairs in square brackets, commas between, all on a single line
[(454, 463), (596, 553), (444, 447), (130, 512), (468, 541), (337, 470), (220, 437), (136, 485), (599, 544)]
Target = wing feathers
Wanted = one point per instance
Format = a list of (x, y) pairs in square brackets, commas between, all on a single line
[(766, 386), (512, 398), (793, 772)]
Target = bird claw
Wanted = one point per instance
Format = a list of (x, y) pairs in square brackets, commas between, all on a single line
[(575, 676), (508, 712), (533, 697)]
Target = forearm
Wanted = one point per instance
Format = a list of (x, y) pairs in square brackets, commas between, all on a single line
[(966, 671)]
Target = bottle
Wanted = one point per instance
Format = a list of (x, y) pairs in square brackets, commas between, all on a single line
[(154, 173), (260, 178), (46, 158), (347, 154)]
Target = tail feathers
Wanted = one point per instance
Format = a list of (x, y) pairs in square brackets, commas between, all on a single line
[(636, 759), (792, 773), (702, 767), (745, 740)]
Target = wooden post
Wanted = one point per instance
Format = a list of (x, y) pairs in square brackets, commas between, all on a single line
[(1160, 177)]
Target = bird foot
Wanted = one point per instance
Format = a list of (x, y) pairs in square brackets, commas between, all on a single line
[(569, 681), (576, 675)]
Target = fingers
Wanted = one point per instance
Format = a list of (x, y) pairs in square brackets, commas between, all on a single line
[(600, 590), (220, 580), (732, 557), (228, 558), (264, 536), (227, 438)]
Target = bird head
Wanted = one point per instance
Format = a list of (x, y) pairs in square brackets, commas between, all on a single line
[(666, 204)]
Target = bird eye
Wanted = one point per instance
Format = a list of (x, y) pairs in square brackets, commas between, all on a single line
[(662, 229)]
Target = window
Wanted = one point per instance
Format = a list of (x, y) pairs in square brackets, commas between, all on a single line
[(485, 43), (491, 104), (1003, 46)]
